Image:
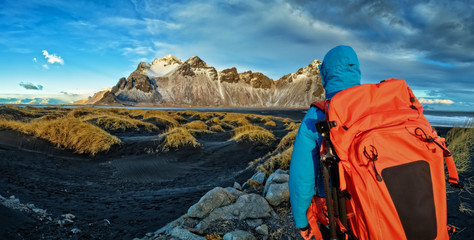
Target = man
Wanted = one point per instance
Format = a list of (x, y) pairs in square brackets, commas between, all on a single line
[(339, 70)]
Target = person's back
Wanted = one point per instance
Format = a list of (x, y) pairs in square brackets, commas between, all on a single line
[(340, 70)]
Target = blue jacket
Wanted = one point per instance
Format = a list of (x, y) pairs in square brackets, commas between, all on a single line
[(340, 70)]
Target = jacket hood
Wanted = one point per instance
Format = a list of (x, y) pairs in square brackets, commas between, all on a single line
[(340, 69)]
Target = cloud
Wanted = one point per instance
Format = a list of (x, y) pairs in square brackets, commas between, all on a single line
[(31, 86), (52, 58), (35, 60), (45, 66), (69, 94), (435, 101)]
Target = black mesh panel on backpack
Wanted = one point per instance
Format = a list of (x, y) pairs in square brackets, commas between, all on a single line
[(411, 190)]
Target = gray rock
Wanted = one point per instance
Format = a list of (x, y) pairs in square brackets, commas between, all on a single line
[(259, 177), (181, 233), (170, 226), (280, 171), (263, 229), (278, 193), (76, 231), (68, 216), (254, 222), (237, 186), (275, 178), (235, 192), (213, 199), (249, 206), (239, 235)]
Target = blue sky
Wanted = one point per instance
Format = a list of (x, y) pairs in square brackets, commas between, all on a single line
[(66, 50)]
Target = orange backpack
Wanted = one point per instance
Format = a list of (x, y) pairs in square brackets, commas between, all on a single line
[(386, 165)]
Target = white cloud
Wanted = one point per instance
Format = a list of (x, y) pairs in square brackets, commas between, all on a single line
[(140, 50), (435, 101), (52, 58), (35, 60), (45, 66)]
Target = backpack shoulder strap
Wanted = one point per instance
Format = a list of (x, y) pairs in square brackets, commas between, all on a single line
[(321, 105)]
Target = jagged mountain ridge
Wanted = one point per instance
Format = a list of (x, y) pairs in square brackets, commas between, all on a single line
[(193, 82)]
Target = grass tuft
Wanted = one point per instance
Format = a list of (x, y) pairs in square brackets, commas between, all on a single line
[(178, 137), (253, 134), (236, 118), (196, 125), (69, 132), (466, 208), (113, 123), (461, 145), (279, 161), (213, 236)]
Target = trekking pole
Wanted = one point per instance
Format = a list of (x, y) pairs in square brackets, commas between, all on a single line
[(329, 158), (327, 189)]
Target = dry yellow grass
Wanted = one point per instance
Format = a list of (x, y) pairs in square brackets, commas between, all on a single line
[(466, 208), (279, 161), (203, 115), (115, 123), (461, 143), (213, 236), (237, 118), (69, 132), (177, 137), (197, 125), (270, 123), (292, 126), (287, 141), (253, 183), (217, 128), (253, 134)]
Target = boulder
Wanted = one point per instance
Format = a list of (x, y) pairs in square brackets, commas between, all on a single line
[(237, 186), (239, 235), (276, 177), (181, 233), (259, 177), (249, 206), (237, 193), (213, 199), (278, 193)]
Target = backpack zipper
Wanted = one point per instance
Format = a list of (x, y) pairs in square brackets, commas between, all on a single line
[(373, 156)]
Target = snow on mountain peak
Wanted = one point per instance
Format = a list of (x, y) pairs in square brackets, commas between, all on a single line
[(167, 60), (162, 66)]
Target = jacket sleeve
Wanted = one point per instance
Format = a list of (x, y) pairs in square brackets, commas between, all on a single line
[(304, 164)]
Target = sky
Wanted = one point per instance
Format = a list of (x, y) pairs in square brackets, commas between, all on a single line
[(60, 51)]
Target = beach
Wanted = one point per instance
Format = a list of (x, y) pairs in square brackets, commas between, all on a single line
[(134, 187)]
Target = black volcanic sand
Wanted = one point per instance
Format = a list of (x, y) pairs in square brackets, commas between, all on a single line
[(133, 189)]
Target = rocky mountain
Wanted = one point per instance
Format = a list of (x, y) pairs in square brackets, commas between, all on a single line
[(97, 97), (193, 82)]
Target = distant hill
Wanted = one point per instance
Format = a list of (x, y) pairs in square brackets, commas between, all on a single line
[(170, 81)]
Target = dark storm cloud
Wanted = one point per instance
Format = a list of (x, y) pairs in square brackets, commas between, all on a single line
[(438, 30), (31, 86)]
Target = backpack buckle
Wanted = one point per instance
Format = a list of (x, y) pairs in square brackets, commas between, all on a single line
[(324, 127)]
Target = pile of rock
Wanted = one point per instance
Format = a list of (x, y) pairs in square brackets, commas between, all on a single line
[(14, 203), (249, 211), (64, 221)]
